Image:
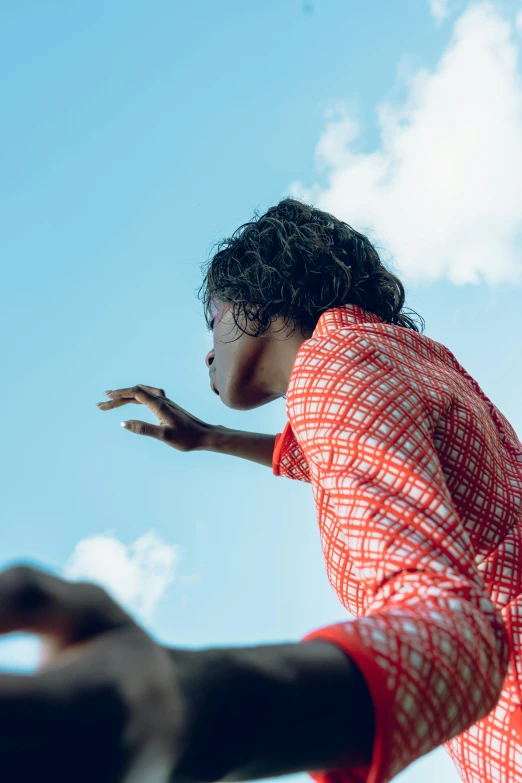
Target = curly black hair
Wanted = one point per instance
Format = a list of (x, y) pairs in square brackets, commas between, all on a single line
[(296, 261)]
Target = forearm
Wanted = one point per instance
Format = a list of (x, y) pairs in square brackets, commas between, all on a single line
[(271, 710), (253, 446)]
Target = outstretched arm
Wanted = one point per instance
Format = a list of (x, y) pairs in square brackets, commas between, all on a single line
[(254, 446), (271, 710), (184, 432)]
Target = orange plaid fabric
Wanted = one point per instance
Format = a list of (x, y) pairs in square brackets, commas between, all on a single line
[(417, 480)]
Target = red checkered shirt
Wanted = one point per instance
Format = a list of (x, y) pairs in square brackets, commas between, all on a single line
[(417, 480)]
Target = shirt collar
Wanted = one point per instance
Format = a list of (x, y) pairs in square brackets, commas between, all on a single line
[(341, 317)]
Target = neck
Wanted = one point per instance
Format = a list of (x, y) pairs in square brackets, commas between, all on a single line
[(285, 350)]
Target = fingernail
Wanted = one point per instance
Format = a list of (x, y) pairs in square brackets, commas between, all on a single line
[(123, 423), (108, 392)]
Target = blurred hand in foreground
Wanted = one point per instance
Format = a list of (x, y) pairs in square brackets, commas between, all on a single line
[(106, 704)]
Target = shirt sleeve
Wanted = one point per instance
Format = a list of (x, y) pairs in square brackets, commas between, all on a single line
[(288, 458), (430, 644)]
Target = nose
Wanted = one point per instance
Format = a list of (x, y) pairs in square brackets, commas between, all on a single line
[(209, 358)]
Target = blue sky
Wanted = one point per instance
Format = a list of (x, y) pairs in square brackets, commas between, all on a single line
[(134, 136)]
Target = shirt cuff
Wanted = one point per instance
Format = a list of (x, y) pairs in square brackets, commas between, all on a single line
[(376, 771), (279, 445)]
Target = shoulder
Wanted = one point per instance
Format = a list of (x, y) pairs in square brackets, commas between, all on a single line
[(338, 353), (377, 370)]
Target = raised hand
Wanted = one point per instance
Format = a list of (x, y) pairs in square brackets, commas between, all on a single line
[(177, 427)]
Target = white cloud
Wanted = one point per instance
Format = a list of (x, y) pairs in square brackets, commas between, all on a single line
[(136, 575), (442, 191), (518, 21), (439, 9)]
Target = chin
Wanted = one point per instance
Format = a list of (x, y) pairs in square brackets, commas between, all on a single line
[(246, 403)]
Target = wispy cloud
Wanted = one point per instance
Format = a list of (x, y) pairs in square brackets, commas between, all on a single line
[(442, 191), (137, 575), (439, 9)]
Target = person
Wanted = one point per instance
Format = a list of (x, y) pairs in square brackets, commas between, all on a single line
[(417, 481)]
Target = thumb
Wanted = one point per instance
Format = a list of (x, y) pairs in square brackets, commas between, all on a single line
[(144, 428), (37, 601)]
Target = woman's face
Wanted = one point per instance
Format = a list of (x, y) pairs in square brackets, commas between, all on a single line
[(242, 370)]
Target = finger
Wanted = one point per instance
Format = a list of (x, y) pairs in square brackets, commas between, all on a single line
[(144, 428), (159, 392), (62, 762), (49, 723), (110, 404), (30, 757), (26, 712), (130, 392), (26, 715), (59, 757), (154, 402), (36, 601)]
